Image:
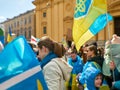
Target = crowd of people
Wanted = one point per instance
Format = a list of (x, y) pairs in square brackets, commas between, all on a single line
[(83, 70), (90, 68)]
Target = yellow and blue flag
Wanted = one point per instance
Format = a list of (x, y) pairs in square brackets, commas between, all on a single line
[(9, 36), (90, 17), (19, 67)]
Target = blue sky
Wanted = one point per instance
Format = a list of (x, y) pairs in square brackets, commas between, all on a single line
[(11, 8)]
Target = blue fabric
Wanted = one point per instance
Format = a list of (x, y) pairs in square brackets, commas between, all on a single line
[(117, 85), (79, 13), (100, 23), (90, 74), (87, 65), (2, 39), (47, 59), (77, 67), (117, 79), (17, 58), (76, 64), (10, 31), (116, 73)]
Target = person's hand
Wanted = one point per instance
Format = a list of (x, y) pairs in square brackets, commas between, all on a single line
[(80, 86), (112, 65)]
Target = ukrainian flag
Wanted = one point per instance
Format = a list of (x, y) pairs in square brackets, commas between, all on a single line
[(19, 67), (9, 36), (89, 18)]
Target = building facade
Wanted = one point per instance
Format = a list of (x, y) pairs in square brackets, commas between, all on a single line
[(55, 18), (23, 24)]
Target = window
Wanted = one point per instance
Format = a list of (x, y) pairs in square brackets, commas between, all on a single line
[(17, 23), (29, 19), (29, 32), (44, 14), (14, 24), (25, 32), (25, 21), (44, 30)]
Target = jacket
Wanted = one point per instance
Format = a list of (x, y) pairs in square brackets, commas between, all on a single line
[(56, 72)]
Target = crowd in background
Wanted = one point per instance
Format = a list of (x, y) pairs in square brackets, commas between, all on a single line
[(90, 68)]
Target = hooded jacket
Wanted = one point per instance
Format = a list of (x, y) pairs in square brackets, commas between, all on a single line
[(92, 62), (90, 75)]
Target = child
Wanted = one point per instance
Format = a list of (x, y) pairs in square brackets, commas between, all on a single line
[(93, 79)]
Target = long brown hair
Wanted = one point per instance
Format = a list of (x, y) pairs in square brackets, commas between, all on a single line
[(93, 48), (52, 45)]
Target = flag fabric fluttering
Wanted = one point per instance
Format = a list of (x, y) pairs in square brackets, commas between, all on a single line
[(9, 36), (2, 35), (19, 67), (34, 40), (90, 17)]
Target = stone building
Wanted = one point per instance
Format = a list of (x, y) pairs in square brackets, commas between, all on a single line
[(55, 18), (23, 24)]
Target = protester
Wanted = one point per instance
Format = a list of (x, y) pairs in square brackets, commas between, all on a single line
[(83, 53), (93, 78), (111, 65), (116, 83), (76, 62), (92, 61), (55, 70)]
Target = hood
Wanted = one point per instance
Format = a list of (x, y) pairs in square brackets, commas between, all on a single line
[(65, 68), (90, 74)]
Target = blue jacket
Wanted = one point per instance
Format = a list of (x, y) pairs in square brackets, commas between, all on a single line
[(87, 65), (90, 74), (77, 68), (76, 64), (116, 84)]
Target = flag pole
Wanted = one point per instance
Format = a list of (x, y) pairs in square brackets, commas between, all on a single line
[(108, 29)]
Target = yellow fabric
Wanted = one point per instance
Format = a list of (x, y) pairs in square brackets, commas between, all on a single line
[(81, 25), (39, 85), (74, 83), (86, 36), (9, 38), (104, 87)]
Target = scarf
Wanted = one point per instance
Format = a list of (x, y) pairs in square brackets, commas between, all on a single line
[(47, 59)]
